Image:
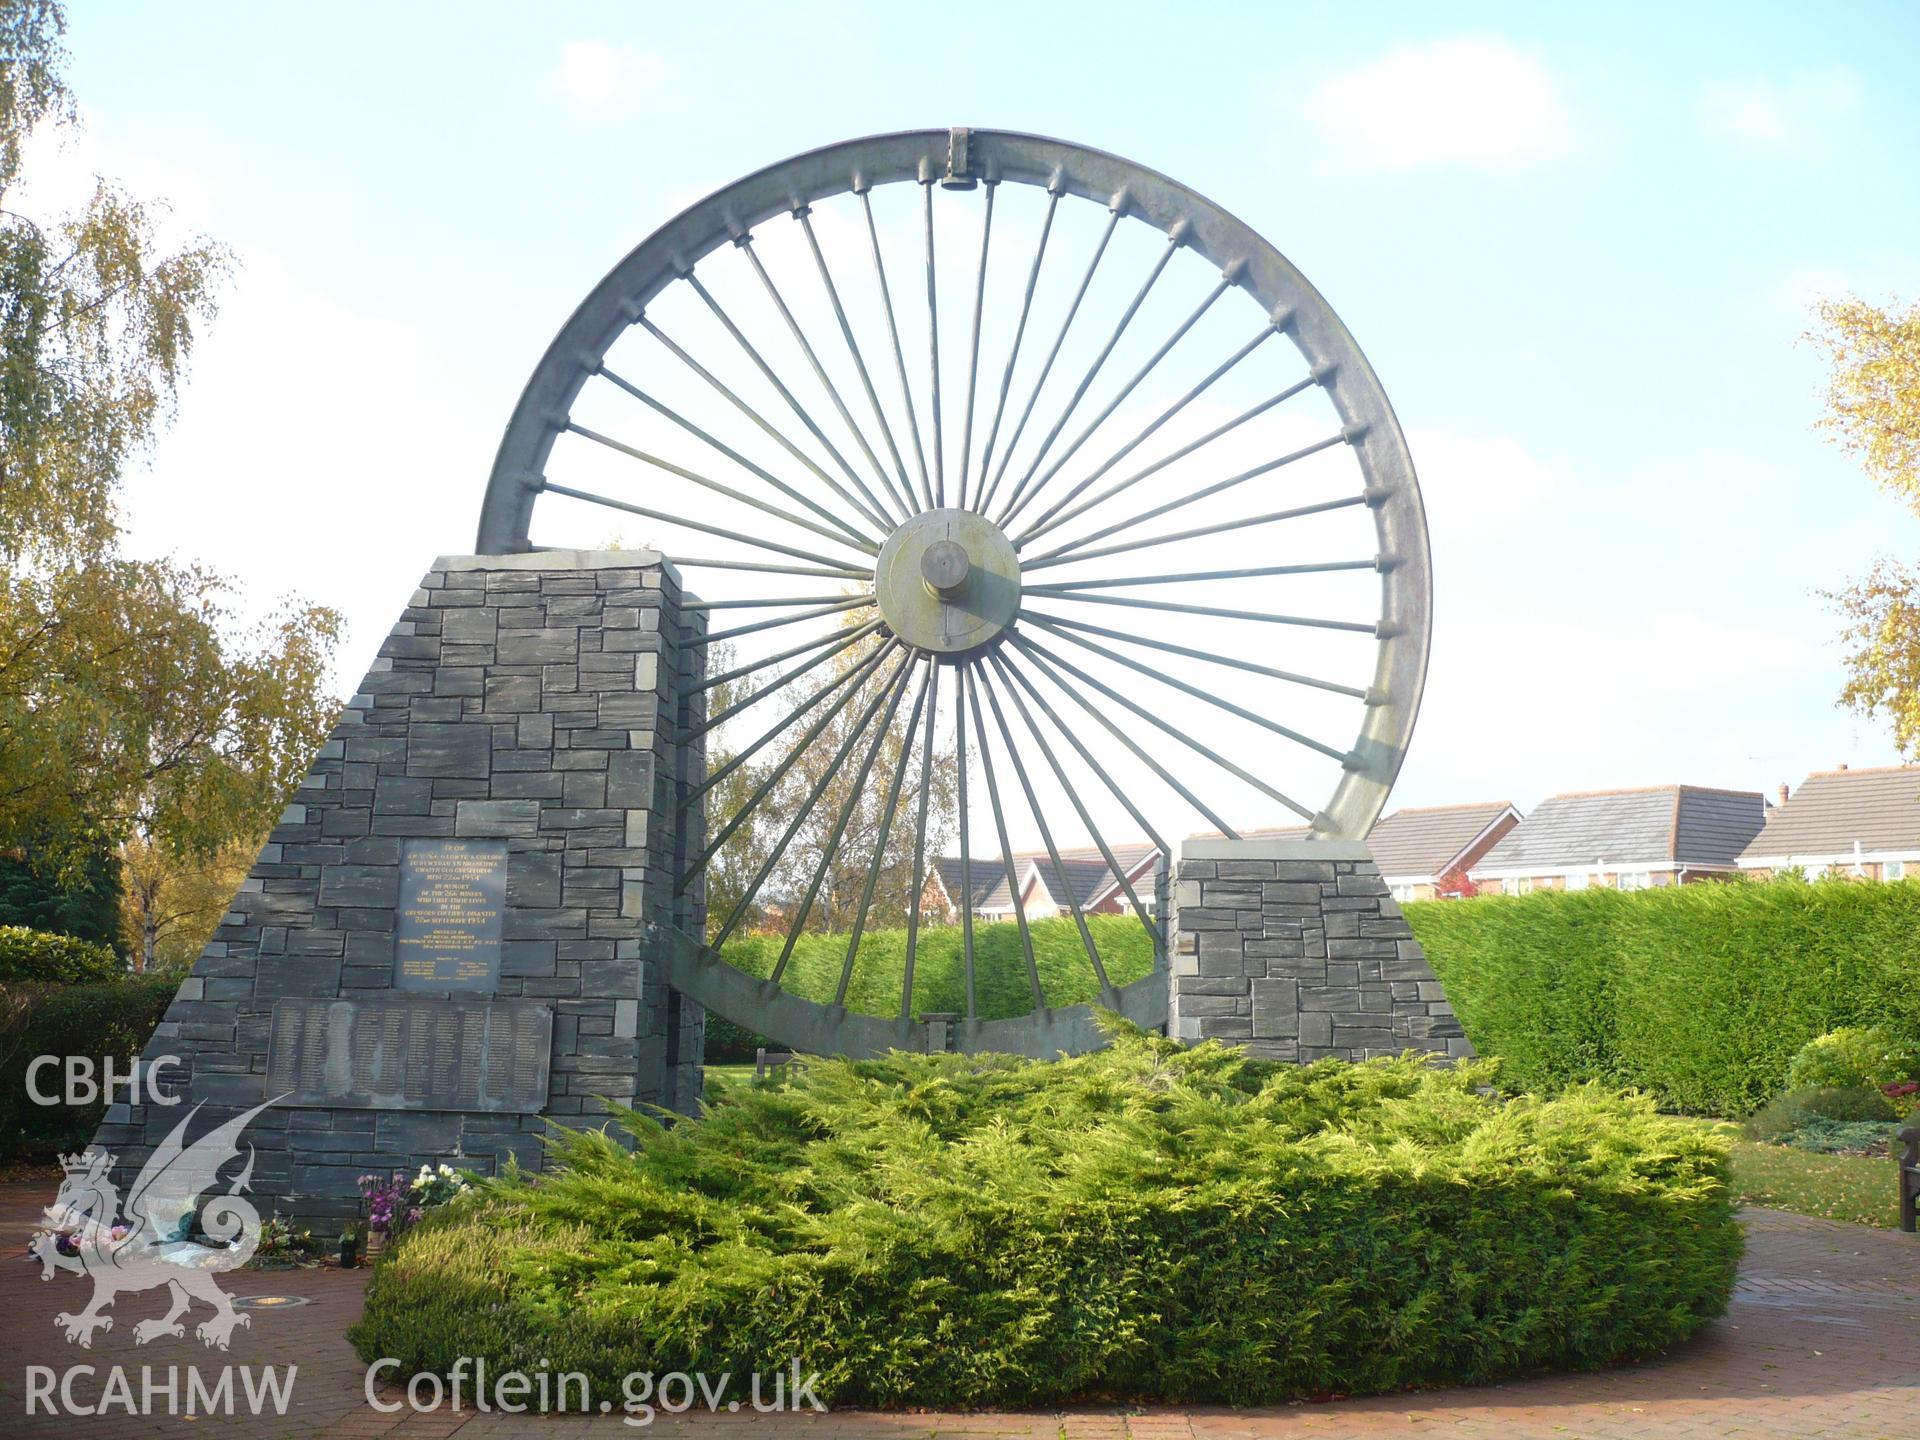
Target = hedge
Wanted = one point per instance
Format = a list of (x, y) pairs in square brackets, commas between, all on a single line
[(1699, 994), (39, 955), (98, 1021), (1144, 1223)]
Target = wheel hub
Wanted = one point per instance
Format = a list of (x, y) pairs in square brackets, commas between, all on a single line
[(948, 582)]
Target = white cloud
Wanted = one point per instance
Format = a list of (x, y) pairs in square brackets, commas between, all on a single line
[(1789, 117), (1472, 103), (596, 75), (1476, 485)]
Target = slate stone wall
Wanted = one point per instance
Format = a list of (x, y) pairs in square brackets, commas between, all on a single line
[(1295, 950), (535, 699)]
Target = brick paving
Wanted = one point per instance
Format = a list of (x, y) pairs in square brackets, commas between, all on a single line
[(1823, 1339)]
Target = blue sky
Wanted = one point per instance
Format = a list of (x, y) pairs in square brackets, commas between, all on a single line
[(1579, 254)]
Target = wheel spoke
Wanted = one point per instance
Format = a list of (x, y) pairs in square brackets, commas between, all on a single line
[(1107, 993), (1013, 352), (899, 356), (1099, 251), (760, 602), (920, 843), (854, 676), (1006, 847), (1180, 502), (856, 602), (805, 809), (855, 793), (862, 541), (1019, 493), (1074, 556), (761, 790), (1194, 745), (766, 426), (1206, 655), (764, 507), (850, 637), (973, 349), (937, 495), (1352, 627), (1014, 680), (831, 573), (819, 370), (1121, 581), (887, 808), (904, 494), (800, 411), (966, 852), (1153, 360), (814, 644), (1285, 732), (1053, 518), (1040, 663), (700, 525)]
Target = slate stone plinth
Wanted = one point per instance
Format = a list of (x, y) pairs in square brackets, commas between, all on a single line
[(1295, 950), (530, 701)]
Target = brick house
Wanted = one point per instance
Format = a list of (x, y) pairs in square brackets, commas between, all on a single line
[(1624, 839), (1864, 823), (1082, 874)]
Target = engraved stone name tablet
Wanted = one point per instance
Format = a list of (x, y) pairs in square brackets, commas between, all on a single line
[(447, 928), (411, 1054)]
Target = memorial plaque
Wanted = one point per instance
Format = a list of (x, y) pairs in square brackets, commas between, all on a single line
[(411, 1054), (447, 928)]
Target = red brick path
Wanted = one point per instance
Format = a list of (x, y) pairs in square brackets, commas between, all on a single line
[(1823, 1340)]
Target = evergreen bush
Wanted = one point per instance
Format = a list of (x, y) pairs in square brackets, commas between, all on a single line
[(100, 1021), (1700, 994), (1146, 1222), (41, 956)]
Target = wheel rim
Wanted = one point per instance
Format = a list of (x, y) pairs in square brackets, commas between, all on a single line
[(982, 552)]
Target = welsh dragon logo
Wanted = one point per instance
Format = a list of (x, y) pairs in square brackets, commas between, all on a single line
[(145, 1243)]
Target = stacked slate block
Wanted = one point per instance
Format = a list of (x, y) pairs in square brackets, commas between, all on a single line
[(533, 699), (1295, 950)]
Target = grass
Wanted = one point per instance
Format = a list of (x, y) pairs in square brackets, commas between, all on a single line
[(1851, 1188), (728, 1076), (1001, 984)]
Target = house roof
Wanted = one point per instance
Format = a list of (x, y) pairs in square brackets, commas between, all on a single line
[(985, 874), (1833, 809), (1082, 874), (1682, 825), (1427, 840), (1420, 840)]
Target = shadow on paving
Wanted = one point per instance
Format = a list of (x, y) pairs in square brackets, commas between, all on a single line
[(1819, 1340)]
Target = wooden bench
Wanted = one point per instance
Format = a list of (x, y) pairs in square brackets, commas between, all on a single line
[(1909, 1178)]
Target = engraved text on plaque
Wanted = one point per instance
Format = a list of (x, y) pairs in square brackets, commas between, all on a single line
[(411, 1054), (447, 929)]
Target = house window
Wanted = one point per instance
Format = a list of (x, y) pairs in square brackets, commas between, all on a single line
[(1894, 870), (1633, 880), (1401, 892), (1520, 886), (1579, 880)]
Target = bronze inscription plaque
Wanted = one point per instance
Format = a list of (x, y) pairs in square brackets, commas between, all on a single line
[(446, 932), (411, 1053)]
